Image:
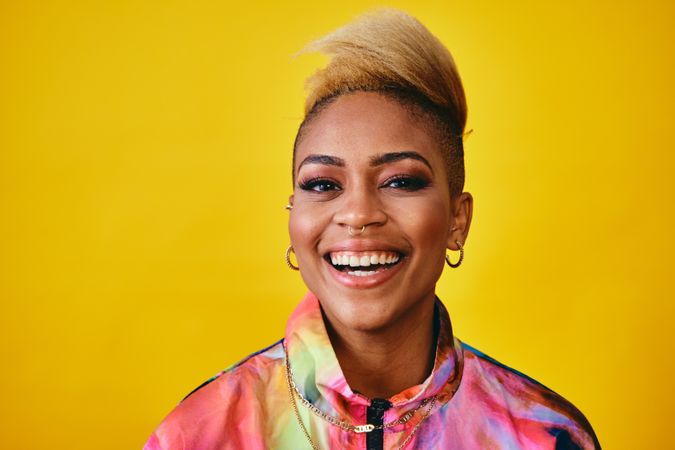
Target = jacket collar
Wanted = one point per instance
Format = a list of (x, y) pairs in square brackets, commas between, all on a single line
[(318, 375)]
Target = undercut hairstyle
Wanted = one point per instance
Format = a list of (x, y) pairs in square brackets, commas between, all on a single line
[(389, 52)]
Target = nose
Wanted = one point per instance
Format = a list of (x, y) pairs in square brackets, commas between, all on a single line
[(360, 208)]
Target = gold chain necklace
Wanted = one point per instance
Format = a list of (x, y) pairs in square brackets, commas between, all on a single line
[(293, 391)]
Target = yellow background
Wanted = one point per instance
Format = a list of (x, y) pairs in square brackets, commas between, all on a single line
[(145, 162)]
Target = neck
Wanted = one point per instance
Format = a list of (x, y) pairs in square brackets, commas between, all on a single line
[(382, 363)]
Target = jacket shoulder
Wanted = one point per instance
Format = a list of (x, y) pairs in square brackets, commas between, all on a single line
[(261, 358), (526, 401), (203, 418)]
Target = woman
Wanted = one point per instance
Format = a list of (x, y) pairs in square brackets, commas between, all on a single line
[(369, 360)]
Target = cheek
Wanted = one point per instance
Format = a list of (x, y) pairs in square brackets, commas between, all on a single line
[(304, 230), (427, 223)]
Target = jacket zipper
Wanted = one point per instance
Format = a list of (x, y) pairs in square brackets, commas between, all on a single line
[(375, 416)]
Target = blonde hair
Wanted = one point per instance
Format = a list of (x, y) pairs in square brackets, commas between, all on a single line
[(389, 51)]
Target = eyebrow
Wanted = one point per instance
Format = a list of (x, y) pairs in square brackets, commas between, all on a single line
[(375, 161), (326, 160), (386, 158)]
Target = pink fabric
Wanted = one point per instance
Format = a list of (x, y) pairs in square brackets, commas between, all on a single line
[(481, 403)]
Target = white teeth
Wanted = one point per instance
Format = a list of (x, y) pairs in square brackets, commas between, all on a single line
[(363, 259), (359, 273)]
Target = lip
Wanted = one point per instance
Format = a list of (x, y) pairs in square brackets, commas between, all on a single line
[(363, 245)]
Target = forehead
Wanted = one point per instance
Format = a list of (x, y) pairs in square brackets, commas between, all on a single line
[(357, 126)]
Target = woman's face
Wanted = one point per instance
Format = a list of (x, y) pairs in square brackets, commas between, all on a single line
[(365, 161)]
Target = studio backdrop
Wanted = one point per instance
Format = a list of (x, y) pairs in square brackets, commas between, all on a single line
[(145, 161)]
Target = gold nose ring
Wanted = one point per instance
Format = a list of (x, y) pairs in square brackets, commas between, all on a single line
[(350, 230)]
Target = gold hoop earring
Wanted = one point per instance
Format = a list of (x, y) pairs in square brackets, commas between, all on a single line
[(461, 257), (288, 258)]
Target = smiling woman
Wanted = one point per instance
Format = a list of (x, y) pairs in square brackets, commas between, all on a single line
[(369, 359)]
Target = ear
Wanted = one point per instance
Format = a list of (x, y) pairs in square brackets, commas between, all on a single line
[(461, 211)]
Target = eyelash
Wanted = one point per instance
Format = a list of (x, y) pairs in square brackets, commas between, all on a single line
[(411, 184), (313, 183)]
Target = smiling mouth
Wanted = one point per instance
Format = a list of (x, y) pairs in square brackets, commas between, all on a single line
[(363, 264)]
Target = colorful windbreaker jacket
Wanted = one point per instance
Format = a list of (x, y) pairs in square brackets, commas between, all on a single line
[(480, 403)]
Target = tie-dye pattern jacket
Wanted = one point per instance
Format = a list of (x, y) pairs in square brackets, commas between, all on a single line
[(481, 404)]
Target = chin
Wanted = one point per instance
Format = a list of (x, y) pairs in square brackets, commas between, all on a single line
[(360, 314), (366, 323)]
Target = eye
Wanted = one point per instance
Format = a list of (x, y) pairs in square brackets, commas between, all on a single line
[(406, 183), (319, 185)]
